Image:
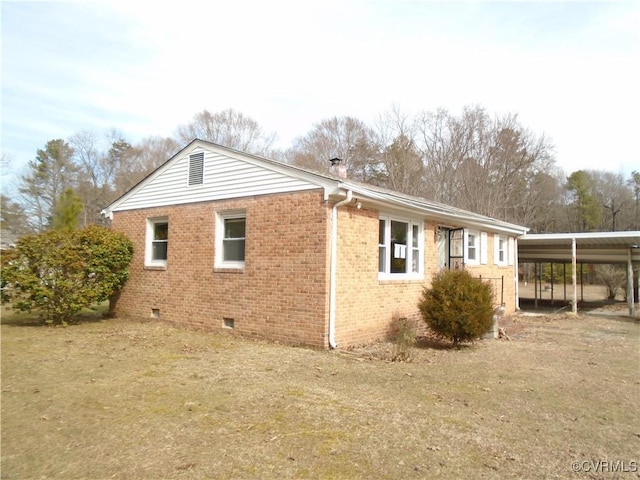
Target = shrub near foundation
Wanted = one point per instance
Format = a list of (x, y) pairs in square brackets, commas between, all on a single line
[(458, 307), (58, 273)]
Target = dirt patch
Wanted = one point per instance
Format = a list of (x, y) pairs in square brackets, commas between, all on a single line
[(122, 399)]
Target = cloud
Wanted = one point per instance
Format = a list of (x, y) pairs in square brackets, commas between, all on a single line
[(569, 69)]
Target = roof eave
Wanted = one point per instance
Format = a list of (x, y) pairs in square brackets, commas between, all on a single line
[(454, 216)]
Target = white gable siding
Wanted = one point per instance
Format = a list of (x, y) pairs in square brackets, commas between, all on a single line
[(224, 178)]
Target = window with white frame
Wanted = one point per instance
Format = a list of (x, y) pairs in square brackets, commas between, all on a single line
[(503, 247), (231, 239), (400, 248), (472, 247), (500, 250), (157, 242)]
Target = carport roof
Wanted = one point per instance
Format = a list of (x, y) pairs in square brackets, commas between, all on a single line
[(594, 247)]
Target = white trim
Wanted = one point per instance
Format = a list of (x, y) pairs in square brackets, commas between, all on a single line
[(406, 251), (221, 217), (153, 191), (484, 246), (158, 188), (149, 239), (333, 268), (496, 250), (477, 245), (511, 251)]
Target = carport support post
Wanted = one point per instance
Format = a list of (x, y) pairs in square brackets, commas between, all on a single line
[(552, 280), (535, 284), (574, 277), (630, 300)]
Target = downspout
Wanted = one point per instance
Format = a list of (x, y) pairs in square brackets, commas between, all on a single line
[(517, 269), (333, 269)]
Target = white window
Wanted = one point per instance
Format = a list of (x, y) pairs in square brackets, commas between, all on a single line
[(196, 168), (231, 239), (475, 247), (500, 250), (157, 242), (503, 250), (400, 248), (472, 247)]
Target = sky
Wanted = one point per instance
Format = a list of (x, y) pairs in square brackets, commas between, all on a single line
[(569, 70)]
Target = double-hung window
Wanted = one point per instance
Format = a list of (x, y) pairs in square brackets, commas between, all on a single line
[(472, 247), (475, 247), (500, 250), (231, 239), (157, 243), (400, 248)]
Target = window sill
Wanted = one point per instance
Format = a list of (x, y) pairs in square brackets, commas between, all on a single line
[(155, 267), (387, 280), (228, 270)]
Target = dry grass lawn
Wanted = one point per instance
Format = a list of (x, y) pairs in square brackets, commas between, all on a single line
[(127, 400)]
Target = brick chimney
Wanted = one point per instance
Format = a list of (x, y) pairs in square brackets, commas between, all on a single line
[(338, 168)]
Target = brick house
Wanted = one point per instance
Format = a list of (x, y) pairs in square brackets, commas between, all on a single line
[(229, 240)]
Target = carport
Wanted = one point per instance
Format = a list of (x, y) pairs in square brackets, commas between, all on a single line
[(579, 248)]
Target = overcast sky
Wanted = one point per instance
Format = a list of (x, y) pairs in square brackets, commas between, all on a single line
[(570, 70)]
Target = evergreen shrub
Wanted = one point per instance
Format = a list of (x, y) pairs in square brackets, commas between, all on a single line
[(58, 273), (458, 307)]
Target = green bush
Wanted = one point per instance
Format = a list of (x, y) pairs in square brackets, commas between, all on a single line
[(458, 306), (59, 273)]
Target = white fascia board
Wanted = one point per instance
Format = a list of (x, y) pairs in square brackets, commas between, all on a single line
[(561, 237), (113, 206), (455, 216), (327, 184)]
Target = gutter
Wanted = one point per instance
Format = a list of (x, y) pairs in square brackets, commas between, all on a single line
[(333, 268)]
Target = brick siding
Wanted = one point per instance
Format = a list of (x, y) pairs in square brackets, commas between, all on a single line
[(282, 294), (367, 306)]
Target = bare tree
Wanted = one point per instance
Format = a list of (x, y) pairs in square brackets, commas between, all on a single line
[(634, 183), (541, 206), (613, 277), (397, 163), (98, 170), (445, 144), (346, 138), (482, 164), (616, 199), (228, 128), (136, 162)]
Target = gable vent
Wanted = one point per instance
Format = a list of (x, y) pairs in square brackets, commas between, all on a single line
[(196, 168)]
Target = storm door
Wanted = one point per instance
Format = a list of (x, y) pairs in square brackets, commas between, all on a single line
[(450, 248)]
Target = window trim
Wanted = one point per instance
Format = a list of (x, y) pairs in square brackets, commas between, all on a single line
[(410, 249), (496, 250), (150, 239), (221, 218), (476, 245)]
